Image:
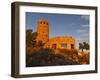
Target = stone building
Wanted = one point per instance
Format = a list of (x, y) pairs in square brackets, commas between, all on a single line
[(61, 42), (43, 30)]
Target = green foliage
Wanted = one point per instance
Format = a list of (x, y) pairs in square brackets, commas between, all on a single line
[(81, 46), (84, 58), (47, 57), (34, 35), (40, 44), (84, 45), (70, 56), (30, 38)]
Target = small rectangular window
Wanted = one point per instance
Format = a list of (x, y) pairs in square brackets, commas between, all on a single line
[(63, 45), (72, 46)]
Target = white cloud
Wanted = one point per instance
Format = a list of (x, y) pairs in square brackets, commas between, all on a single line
[(84, 29), (81, 31), (83, 36), (85, 17), (28, 27), (85, 25), (81, 39)]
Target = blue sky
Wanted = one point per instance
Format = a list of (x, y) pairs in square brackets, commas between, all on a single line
[(62, 25)]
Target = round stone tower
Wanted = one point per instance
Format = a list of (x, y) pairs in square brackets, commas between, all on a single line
[(42, 30)]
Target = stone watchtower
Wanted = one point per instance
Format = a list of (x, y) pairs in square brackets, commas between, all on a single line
[(42, 30)]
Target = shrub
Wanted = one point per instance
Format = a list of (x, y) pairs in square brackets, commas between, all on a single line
[(45, 57)]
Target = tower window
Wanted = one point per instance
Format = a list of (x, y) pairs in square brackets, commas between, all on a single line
[(47, 23), (41, 22), (44, 22)]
